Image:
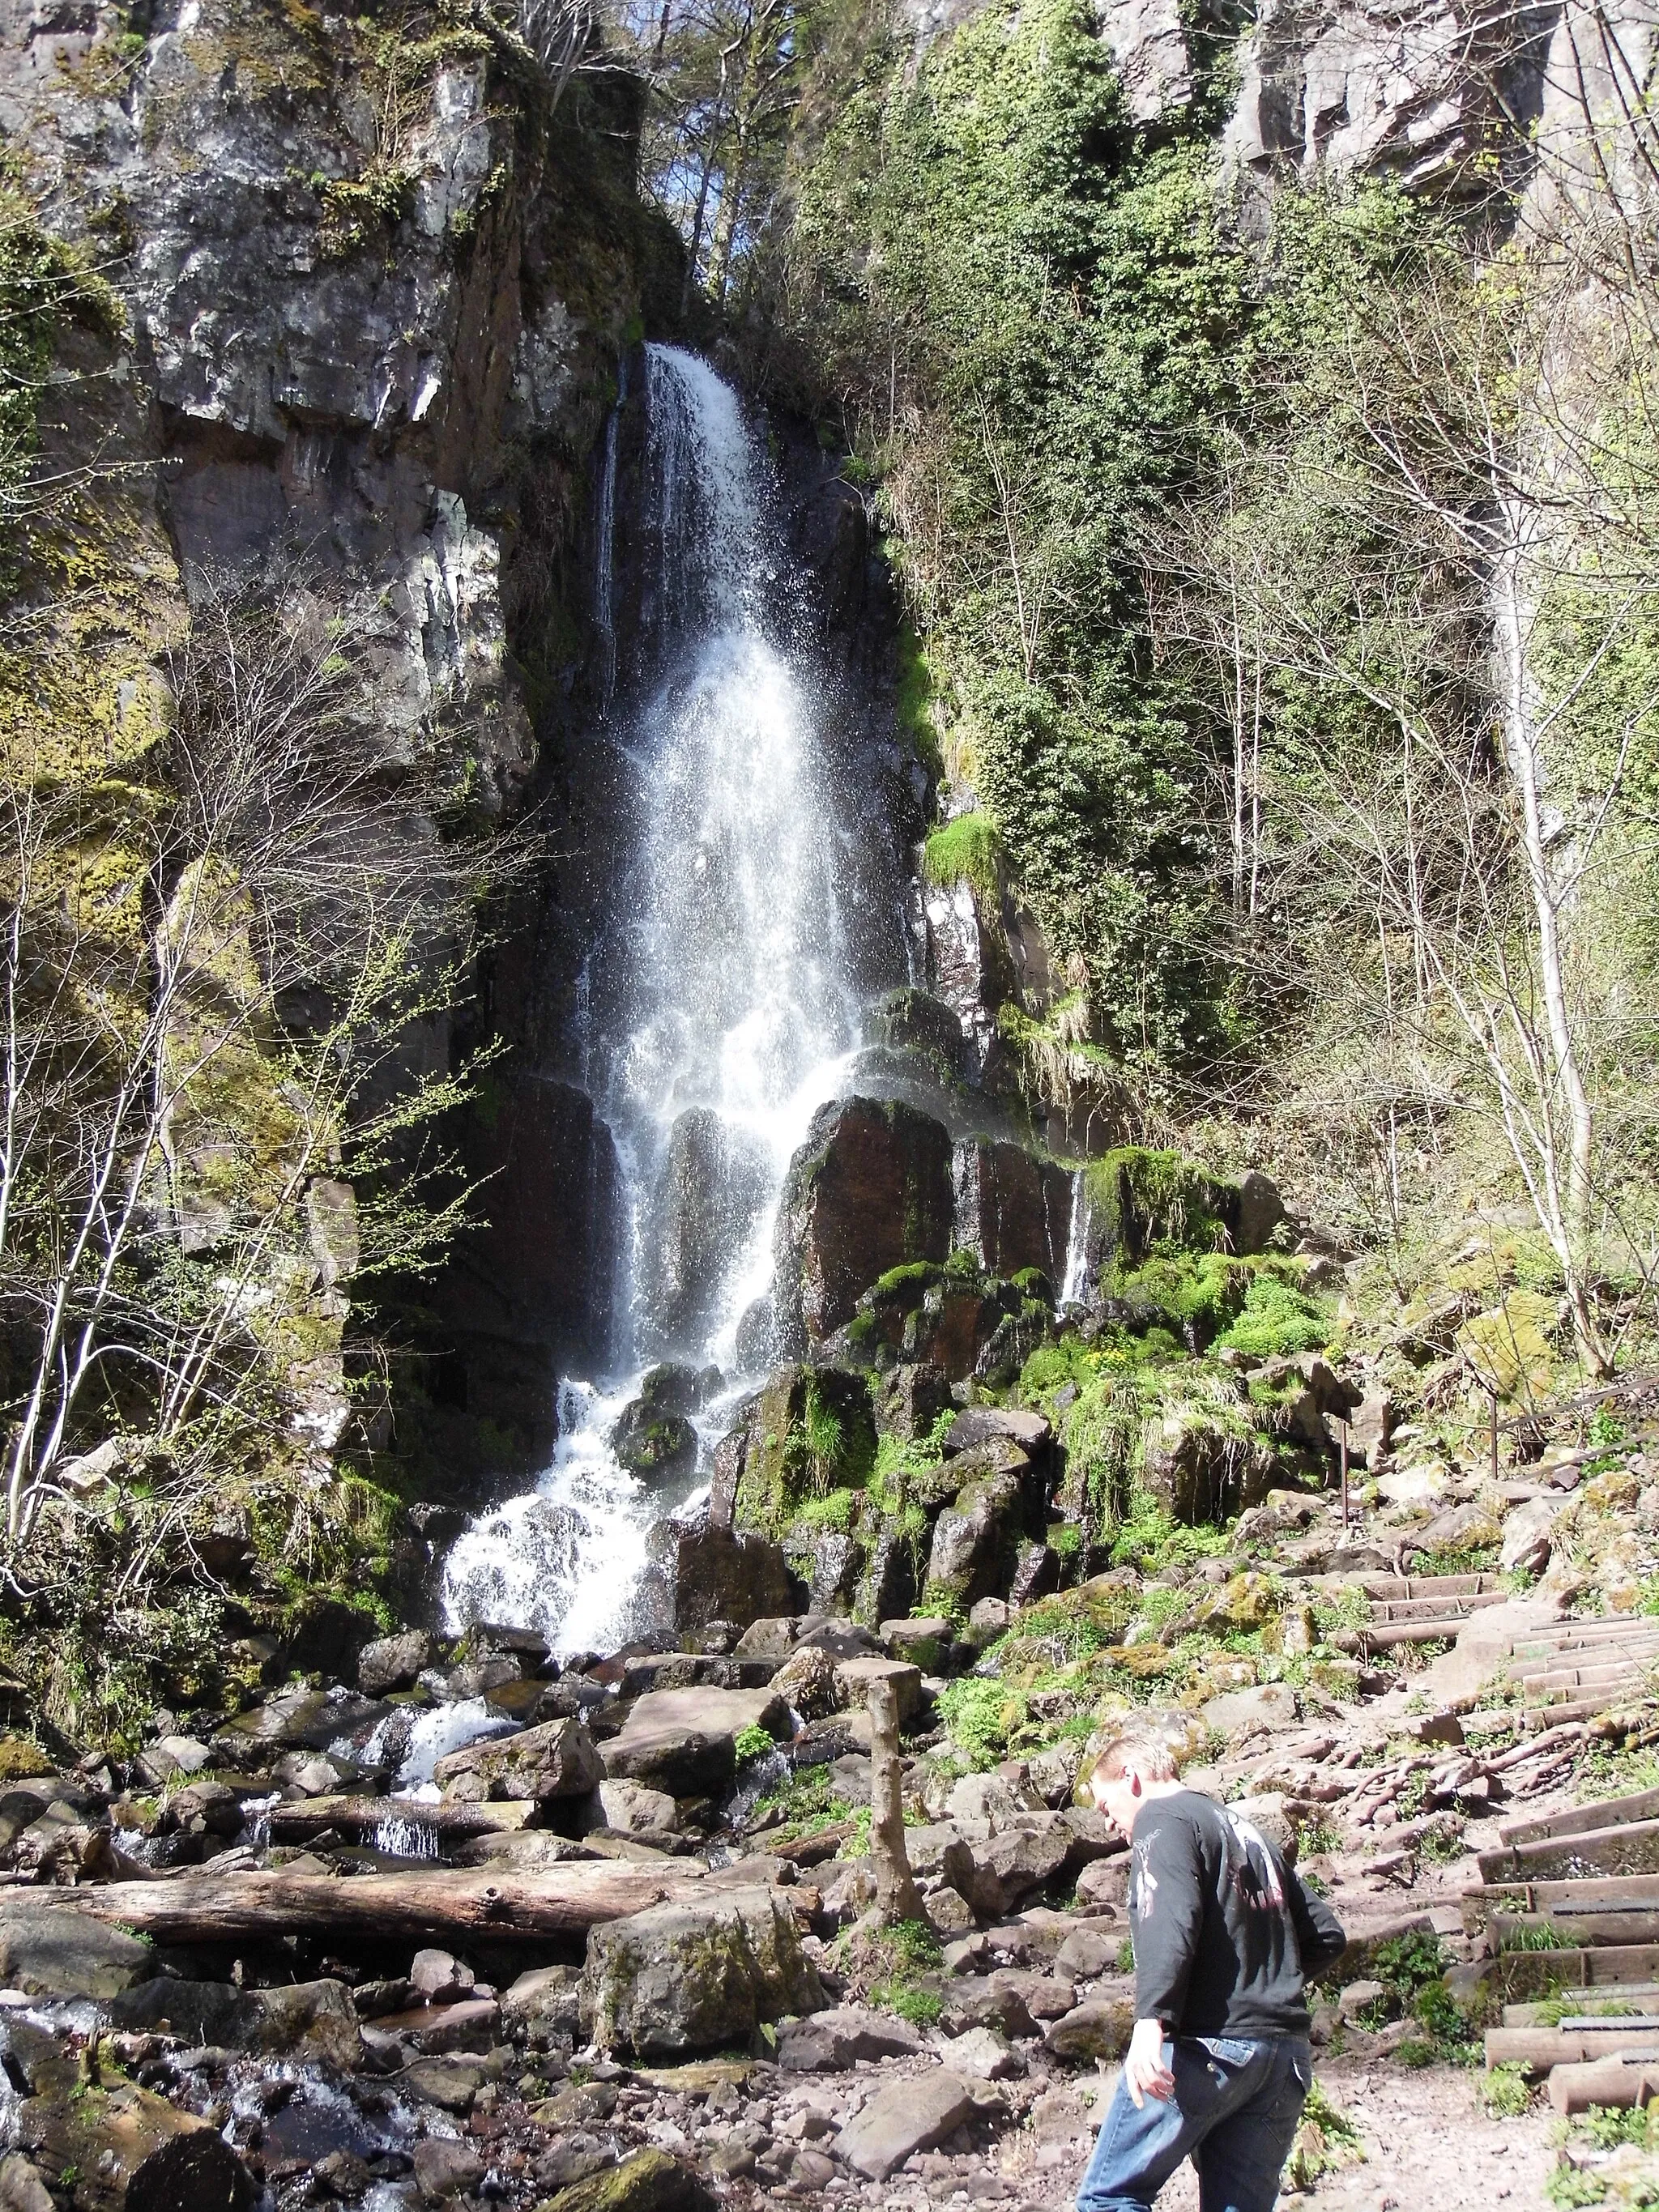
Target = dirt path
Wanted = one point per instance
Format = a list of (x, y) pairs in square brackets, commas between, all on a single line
[(1429, 2146)]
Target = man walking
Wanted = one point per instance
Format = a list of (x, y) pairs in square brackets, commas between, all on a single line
[(1226, 1938)]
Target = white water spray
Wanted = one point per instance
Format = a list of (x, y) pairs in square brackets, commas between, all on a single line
[(719, 1007)]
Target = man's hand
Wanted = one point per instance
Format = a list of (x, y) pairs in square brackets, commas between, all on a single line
[(1145, 2074)]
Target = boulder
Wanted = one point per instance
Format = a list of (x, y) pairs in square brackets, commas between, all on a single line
[(1238, 1712), (1098, 2028), (1425, 1484), (1527, 1543), (684, 1741), (654, 1442), (544, 2003), (923, 1642), (887, 1584), (1201, 1471), (296, 1720), (557, 1759), (909, 1020), (711, 1573), (21, 2188), (444, 2168), (854, 1676), (1016, 1860), (1012, 1209), (869, 1191), (831, 2042), (808, 1680), (1458, 1528), (905, 2116), (629, 1808), (53, 1951), (909, 1401), (123, 2150), (772, 1638), (1249, 1601), (695, 1977), (312, 2021), (1261, 1211), (392, 1663), (982, 1425), (648, 2181), (976, 1542), (1370, 1426)]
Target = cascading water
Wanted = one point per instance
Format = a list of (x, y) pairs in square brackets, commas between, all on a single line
[(719, 1008), (1075, 1288)]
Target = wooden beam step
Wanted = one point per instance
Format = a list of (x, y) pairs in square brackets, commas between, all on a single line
[(1582, 1819), (1622, 1967), (1430, 1608), (1631, 1847), (1538, 2049), (1384, 1639), (1604, 1675)]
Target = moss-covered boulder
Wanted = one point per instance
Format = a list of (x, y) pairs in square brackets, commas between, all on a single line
[(810, 1434), (1203, 1464), (976, 1547), (649, 2181), (868, 1191), (121, 2149), (685, 1978), (1013, 1208)]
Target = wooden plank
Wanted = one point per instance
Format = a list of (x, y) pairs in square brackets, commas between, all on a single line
[(1614, 1967), (1632, 1849), (1581, 1819), (1403, 1631), (1431, 1608), (199, 1908), (1538, 2049)]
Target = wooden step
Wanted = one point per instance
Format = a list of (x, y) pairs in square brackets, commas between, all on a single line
[(1632, 1848), (1430, 1608), (1603, 1966), (1637, 1999), (1613, 1901), (1582, 1819), (1538, 2049), (1560, 1679), (1585, 1636), (1400, 1631), (1547, 1716)]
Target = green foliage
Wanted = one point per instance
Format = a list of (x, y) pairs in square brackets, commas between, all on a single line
[(1506, 2092), (1569, 2187), (752, 1742), (967, 850), (1279, 1317), (807, 1801), (980, 1715)]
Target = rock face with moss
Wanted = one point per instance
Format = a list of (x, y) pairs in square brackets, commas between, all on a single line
[(868, 1191), (680, 1979)]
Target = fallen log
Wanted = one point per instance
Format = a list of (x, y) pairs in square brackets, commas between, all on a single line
[(298, 1821), (457, 1901)]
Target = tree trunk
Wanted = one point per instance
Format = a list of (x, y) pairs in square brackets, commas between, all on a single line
[(448, 1902), (897, 1895)]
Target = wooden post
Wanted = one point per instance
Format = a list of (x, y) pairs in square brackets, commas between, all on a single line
[(897, 1896)]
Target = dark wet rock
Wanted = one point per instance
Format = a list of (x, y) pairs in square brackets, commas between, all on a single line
[(1012, 1208), (887, 1584), (909, 1401), (976, 1541), (909, 1020), (653, 1442), (710, 1573), (1261, 1211), (312, 2021), (709, 1197), (695, 1977), (307, 1720), (392, 1663), (869, 1191), (1037, 1574)]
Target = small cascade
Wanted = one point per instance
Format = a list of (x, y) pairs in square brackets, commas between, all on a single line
[(400, 1837), (1075, 1288), (604, 552), (716, 1006)]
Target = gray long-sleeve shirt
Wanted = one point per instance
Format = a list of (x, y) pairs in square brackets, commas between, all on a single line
[(1226, 1936)]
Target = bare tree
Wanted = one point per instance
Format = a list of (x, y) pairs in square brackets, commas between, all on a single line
[(208, 985)]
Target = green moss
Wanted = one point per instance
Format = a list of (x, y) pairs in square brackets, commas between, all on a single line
[(835, 1509), (1155, 1202), (1277, 1318), (966, 850)]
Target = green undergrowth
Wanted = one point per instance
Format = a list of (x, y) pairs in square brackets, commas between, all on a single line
[(967, 850), (808, 1801)]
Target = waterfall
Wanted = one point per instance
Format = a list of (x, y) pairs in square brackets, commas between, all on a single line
[(718, 1002), (1075, 1288), (604, 551)]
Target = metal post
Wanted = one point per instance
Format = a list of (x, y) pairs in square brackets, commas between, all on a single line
[(1342, 1446)]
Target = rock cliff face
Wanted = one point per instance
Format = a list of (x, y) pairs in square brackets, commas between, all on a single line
[(373, 284)]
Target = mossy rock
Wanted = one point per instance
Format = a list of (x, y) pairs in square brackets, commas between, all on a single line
[(651, 1444), (813, 1432), (649, 2181), (19, 1759)]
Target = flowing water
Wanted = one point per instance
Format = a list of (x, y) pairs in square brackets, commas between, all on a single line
[(718, 1008)]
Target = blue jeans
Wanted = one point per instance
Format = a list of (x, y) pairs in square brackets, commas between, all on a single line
[(1234, 2113)]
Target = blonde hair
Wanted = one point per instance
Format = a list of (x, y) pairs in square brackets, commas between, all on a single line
[(1149, 1756)]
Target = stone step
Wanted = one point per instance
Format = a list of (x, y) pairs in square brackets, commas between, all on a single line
[(1632, 1848)]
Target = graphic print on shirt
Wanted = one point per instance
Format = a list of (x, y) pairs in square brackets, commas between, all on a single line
[(1251, 1871), (1142, 1882)]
